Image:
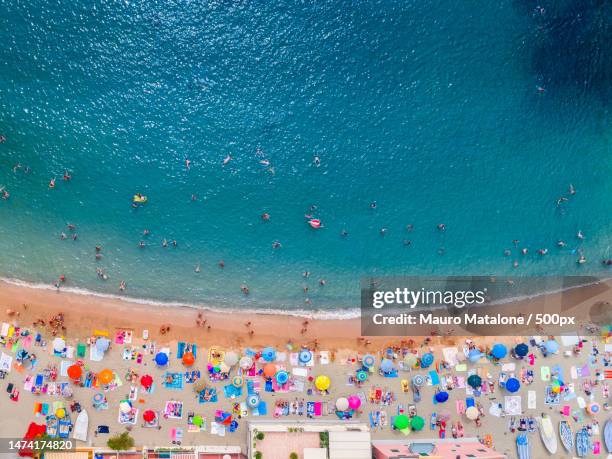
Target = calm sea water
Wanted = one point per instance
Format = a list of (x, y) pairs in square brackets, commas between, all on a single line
[(477, 115)]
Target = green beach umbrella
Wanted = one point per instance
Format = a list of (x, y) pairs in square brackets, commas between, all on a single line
[(197, 420), (474, 381), (417, 423), (401, 422)]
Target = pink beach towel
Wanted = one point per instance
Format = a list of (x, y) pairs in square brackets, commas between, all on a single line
[(460, 406), (317, 408), (566, 411)]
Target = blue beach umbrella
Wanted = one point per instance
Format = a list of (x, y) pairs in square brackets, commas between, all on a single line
[(282, 377), (552, 346), (441, 397), (362, 375), (368, 361), (386, 366), (253, 400), (427, 360), (513, 385), (521, 350), (499, 351), (418, 380), (474, 355), (268, 354), (305, 356), (161, 359)]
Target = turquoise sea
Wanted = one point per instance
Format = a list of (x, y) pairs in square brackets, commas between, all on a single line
[(478, 115)]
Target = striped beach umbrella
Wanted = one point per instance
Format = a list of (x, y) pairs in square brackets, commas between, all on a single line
[(418, 380), (369, 360), (362, 376), (246, 362), (237, 381), (427, 360), (305, 356), (253, 400)]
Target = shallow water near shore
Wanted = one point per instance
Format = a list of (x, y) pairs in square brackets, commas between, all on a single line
[(431, 110)]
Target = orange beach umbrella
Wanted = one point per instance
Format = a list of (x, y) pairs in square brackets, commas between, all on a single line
[(75, 372), (105, 376), (188, 359), (269, 370)]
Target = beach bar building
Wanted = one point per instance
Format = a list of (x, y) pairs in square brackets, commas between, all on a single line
[(464, 448), (310, 439)]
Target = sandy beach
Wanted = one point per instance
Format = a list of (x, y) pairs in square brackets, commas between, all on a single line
[(83, 314)]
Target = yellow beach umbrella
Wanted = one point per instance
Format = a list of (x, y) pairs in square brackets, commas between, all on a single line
[(322, 382)]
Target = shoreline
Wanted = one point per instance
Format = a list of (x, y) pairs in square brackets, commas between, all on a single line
[(84, 313)]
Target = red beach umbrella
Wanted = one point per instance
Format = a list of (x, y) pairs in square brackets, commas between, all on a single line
[(75, 372), (149, 416), (146, 381), (188, 359)]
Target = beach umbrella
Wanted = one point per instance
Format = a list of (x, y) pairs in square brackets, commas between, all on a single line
[(362, 375), (149, 416), (410, 359), (441, 397), (197, 420), (253, 400), (322, 382), (401, 422), (521, 350), (269, 370), (98, 398), (305, 356), (75, 372), (427, 360), (282, 377), (474, 355), (513, 385), (60, 413), (418, 380), (246, 362), (593, 408), (499, 351), (231, 358), (474, 381), (342, 404), (125, 406), (237, 381), (368, 361), (188, 359), (102, 344), (105, 376), (386, 366), (417, 423), (354, 402), (59, 344), (268, 354), (471, 413), (552, 346), (146, 381), (161, 359)]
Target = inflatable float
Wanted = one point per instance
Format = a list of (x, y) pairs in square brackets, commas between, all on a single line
[(139, 199), (314, 223)]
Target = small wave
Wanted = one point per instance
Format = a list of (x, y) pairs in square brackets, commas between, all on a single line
[(335, 314)]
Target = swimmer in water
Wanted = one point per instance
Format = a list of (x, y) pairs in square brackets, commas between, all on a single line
[(265, 216), (63, 236), (571, 189), (561, 200), (245, 289), (373, 205), (306, 274), (187, 163), (580, 234), (344, 233), (276, 245), (146, 232), (66, 176), (221, 264), (52, 183), (164, 243), (409, 227), (5, 194), (197, 268), (441, 227), (227, 159), (542, 251), (2, 139), (507, 253), (561, 243), (524, 250), (141, 244), (581, 260), (122, 286), (264, 162), (316, 160), (383, 231), (174, 243)]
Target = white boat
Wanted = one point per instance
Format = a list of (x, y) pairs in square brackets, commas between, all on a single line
[(81, 426), (607, 434), (547, 433)]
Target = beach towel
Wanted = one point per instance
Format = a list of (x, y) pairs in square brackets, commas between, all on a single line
[(531, 399), (584, 371), (318, 409), (173, 381), (310, 409), (545, 374), (324, 357), (81, 350), (6, 361), (551, 397), (434, 377), (512, 405), (300, 372)]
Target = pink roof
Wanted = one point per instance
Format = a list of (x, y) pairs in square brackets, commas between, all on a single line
[(443, 449)]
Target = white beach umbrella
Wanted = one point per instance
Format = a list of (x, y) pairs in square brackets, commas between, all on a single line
[(246, 362), (231, 358), (471, 413), (59, 344), (342, 404)]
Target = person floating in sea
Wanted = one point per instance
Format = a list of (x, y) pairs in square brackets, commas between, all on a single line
[(174, 243), (221, 264), (187, 163), (5, 194), (122, 286), (571, 189), (373, 205), (276, 245), (265, 216), (316, 160), (383, 231), (580, 234), (441, 227), (2, 139), (66, 176), (245, 289), (561, 244), (542, 251), (52, 183), (141, 244), (197, 268), (227, 159), (344, 233), (164, 243)]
